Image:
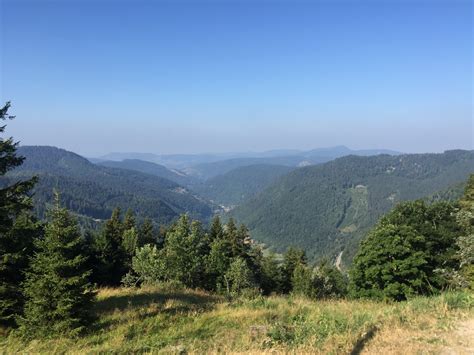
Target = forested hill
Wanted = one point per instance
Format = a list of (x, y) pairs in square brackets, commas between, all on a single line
[(239, 184), (153, 169), (327, 208), (94, 191), (210, 170)]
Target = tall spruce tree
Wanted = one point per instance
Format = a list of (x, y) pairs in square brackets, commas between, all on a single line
[(129, 221), (59, 294), (146, 234), (271, 276), (19, 240), (233, 235), (292, 258), (15, 246), (216, 230), (110, 253)]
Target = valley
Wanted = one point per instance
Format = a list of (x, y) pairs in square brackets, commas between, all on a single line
[(236, 177), (325, 208)]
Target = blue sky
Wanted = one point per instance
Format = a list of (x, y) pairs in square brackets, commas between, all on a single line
[(217, 76)]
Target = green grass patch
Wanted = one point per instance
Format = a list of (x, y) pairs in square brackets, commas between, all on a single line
[(169, 319)]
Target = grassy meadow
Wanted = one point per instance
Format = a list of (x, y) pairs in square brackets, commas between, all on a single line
[(171, 320)]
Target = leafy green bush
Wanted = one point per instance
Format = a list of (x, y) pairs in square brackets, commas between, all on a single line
[(399, 258), (239, 278), (147, 264), (328, 281), (323, 281)]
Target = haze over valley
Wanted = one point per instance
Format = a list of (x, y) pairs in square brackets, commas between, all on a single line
[(236, 177), (323, 200)]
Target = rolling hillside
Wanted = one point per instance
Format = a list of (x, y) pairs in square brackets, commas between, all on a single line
[(151, 168), (241, 183), (94, 191), (328, 208)]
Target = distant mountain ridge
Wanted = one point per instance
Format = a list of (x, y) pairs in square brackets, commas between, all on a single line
[(194, 162), (326, 209), (317, 156), (92, 190)]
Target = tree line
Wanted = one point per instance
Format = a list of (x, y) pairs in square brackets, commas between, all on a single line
[(51, 269)]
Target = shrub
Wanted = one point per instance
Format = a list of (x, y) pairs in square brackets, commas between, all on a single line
[(147, 264), (399, 257), (328, 281), (238, 278)]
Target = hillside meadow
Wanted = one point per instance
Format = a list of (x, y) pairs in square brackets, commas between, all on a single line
[(172, 320)]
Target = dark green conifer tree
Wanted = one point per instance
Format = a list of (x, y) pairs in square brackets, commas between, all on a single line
[(59, 294), (129, 221), (16, 233), (19, 241), (231, 234), (146, 234), (292, 258), (271, 277), (216, 230), (109, 252), (238, 238)]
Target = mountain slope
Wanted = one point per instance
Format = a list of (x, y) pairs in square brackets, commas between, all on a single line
[(327, 208), (239, 184), (151, 168), (94, 191)]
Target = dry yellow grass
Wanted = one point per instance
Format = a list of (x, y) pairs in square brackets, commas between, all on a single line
[(169, 320)]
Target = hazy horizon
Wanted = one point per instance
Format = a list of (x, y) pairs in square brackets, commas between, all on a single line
[(241, 153), (191, 77)]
